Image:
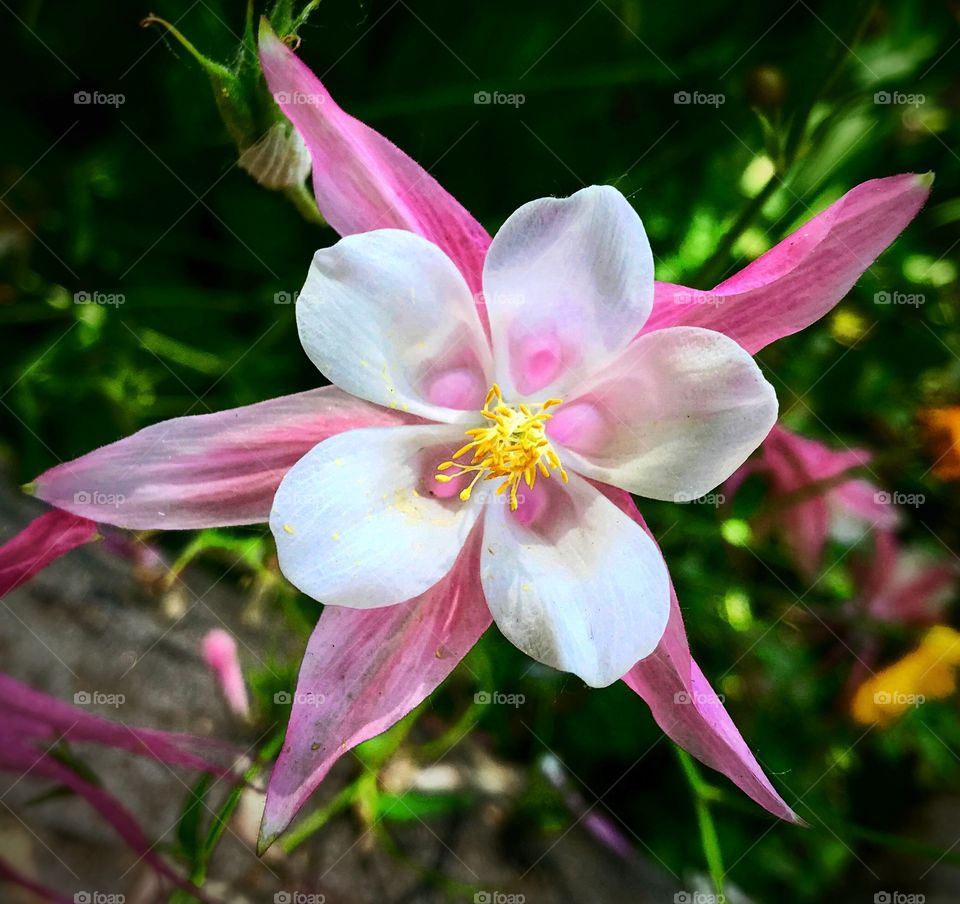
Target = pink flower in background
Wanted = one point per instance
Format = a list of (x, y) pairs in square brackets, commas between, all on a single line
[(219, 651), (812, 496), (373, 665), (33, 728), (905, 586), (45, 539)]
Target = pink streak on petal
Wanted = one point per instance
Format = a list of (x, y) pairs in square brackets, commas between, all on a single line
[(363, 181), (536, 361), (44, 539), (370, 668), (460, 387), (685, 706), (579, 426), (219, 651), (534, 503), (799, 280), (208, 470)]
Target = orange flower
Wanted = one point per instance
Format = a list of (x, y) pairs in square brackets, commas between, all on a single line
[(941, 430)]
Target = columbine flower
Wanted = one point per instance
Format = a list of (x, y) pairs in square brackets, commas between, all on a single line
[(906, 586), (373, 666), (375, 517), (814, 497)]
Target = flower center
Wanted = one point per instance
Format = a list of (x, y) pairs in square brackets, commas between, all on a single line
[(513, 446)]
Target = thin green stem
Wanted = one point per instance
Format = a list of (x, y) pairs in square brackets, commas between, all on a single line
[(709, 840), (318, 818)]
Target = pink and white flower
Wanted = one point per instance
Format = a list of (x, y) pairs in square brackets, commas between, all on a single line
[(904, 586), (560, 322), (375, 517), (815, 496)]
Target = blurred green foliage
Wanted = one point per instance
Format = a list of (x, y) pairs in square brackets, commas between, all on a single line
[(145, 200)]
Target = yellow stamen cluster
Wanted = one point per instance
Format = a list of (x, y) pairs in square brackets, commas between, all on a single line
[(514, 446)]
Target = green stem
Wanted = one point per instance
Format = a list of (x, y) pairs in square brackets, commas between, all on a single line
[(710, 272), (305, 204), (318, 819), (709, 840)]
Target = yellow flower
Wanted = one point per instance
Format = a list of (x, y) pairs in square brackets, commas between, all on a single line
[(926, 673)]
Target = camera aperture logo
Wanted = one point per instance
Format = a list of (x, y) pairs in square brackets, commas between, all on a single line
[(914, 500), (96, 698), (98, 499), (909, 299), (486, 698), (499, 99), (108, 299), (299, 698), (99, 99), (898, 698), (898, 897), (298, 98), (698, 298), (684, 698), (899, 99), (699, 99)]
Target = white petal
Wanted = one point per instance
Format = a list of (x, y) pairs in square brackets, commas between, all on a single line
[(568, 282), (575, 583), (386, 316), (675, 415), (356, 523)]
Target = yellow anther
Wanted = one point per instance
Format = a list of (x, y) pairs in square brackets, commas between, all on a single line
[(513, 447)]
